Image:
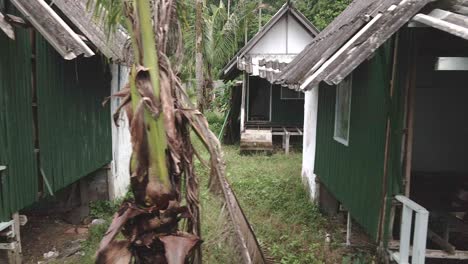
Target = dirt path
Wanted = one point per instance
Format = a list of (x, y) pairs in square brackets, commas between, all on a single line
[(45, 234)]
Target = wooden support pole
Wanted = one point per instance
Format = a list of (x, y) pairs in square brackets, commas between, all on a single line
[(242, 114), (348, 230)]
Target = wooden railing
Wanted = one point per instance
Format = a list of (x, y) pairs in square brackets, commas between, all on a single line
[(418, 253)]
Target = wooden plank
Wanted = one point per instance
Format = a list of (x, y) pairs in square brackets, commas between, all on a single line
[(457, 6), (420, 238), (440, 254), (17, 21), (411, 204), (256, 140), (113, 47), (6, 27), (53, 28), (243, 102), (446, 21), (5, 225), (288, 137), (405, 233), (391, 22), (444, 244)]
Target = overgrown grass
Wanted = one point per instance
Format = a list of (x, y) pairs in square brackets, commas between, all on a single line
[(99, 210), (215, 119), (289, 227)]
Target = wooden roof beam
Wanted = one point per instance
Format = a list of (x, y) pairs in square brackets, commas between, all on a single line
[(6, 27), (449, 22), (64, 40), (113, 47)]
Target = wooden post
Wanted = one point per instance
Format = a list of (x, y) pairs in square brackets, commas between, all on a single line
[(287, 136), (381, 230), (348, 230), (14, 255), (244, 89), (410, 125)]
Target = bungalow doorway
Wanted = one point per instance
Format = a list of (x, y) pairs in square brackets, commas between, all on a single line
[(259, 100), (437, 144)]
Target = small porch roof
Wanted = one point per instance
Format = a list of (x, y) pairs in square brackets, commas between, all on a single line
[(233, 68), (360, 30)]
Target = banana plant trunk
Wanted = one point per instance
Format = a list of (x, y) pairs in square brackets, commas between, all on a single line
[(163, 182)]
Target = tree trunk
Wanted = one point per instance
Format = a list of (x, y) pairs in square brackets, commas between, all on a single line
[(260, 15), (199, 73)]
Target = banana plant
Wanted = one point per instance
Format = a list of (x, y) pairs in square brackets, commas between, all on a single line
[(161, 224)]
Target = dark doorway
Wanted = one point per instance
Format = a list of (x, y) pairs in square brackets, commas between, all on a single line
[(259, 100)]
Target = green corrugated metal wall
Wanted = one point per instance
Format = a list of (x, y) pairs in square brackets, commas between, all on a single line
[(19, 182), (354, 173), (74, 128)]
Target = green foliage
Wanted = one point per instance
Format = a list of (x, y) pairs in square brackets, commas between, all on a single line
[(359, 258), (215, 119), (322, 12), (221, 35), (223, 97)]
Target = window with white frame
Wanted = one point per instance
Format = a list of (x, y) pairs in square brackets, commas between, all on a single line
[(288, 94), (343, 111)]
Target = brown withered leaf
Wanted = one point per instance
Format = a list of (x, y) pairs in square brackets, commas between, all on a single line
[(178, 247), (117, 252), (120, 218)]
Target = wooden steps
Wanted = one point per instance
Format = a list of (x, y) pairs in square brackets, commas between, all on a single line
[(256, 140)]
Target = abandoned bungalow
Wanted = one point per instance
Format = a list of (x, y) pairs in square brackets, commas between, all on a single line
[(386, 95), (268, 110), (54, 129)]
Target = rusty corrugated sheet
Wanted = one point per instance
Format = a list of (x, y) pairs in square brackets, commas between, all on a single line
[(18, 183), (74, 127)]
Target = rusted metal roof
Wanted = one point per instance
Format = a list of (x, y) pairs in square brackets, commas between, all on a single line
[(360, 30)]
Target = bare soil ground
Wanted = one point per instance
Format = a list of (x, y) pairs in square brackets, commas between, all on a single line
[(44, 234)]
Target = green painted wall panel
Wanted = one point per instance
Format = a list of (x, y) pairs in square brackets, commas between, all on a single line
[(74, 127), (18, 184), (354, 173), (283, 112), (286, 111)]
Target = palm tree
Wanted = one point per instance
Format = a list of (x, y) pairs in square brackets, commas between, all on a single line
[(222, 28), (162, 223), (201, 89)]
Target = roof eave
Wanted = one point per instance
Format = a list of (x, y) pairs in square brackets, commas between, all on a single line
[(68, 44)]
